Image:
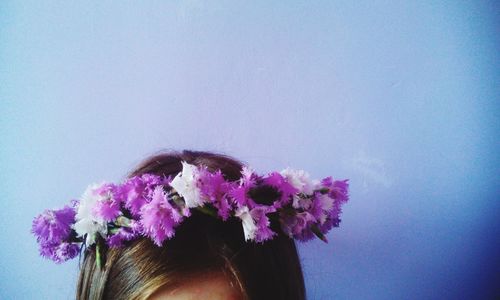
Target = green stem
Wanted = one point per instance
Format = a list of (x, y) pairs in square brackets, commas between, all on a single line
[(98, 259), (324, 190), (114, 230), (209, 211), (178, 200), (318, 233), (123, 221)]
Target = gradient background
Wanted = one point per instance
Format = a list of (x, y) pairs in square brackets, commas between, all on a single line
[(400, 97)]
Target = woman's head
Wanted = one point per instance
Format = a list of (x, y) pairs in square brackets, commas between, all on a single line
[(205, 252)]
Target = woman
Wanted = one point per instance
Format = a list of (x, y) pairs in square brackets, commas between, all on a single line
[(208, 249)]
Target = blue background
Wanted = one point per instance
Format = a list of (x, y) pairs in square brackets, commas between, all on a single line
[(400, 97)]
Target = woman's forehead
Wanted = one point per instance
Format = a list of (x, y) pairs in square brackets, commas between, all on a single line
[(213, 286)]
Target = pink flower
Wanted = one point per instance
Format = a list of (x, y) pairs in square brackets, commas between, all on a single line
[(159, 218)]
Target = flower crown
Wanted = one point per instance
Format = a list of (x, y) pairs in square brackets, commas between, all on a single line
[(153, 206)]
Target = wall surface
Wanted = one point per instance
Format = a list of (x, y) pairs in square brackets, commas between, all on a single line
[(401, 97)]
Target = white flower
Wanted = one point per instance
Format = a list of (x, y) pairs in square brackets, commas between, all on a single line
[(185, 185), (300, 180), (326, 204), (248, 223), (298, 202), (246, 173), (86, 222)]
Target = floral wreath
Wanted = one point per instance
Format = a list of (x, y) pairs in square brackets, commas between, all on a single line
[(153, 206)]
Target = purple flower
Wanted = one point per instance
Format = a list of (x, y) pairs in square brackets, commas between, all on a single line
[(301, 203), (159, 218), (330, 223), (215, 189), (66, 251), (54, 226), (47, 249), (280, 183), (298, 226), (338, 188), (132, 193), (137, 191), (240, 196), (263, 232), (53, 229), (256, 223), (248, 177), (116, 240), (108, 210), (59, 252), (108, 206), (338, 191), (239, 193), (124, 234), (305, 207), (321, 207)]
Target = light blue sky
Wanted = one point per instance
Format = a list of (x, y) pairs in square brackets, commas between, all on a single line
[(401, 97)]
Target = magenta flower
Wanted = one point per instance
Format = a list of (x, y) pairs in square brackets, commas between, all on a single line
[(159, 218), (338, 188), (239, 192), (215, 189), (240, 196), (263, 231), (256, 223), (280, 183)]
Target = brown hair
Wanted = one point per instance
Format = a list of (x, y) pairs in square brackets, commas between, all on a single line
[(202, 244)]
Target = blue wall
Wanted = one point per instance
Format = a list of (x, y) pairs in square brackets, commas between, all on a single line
[(400, 97)]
